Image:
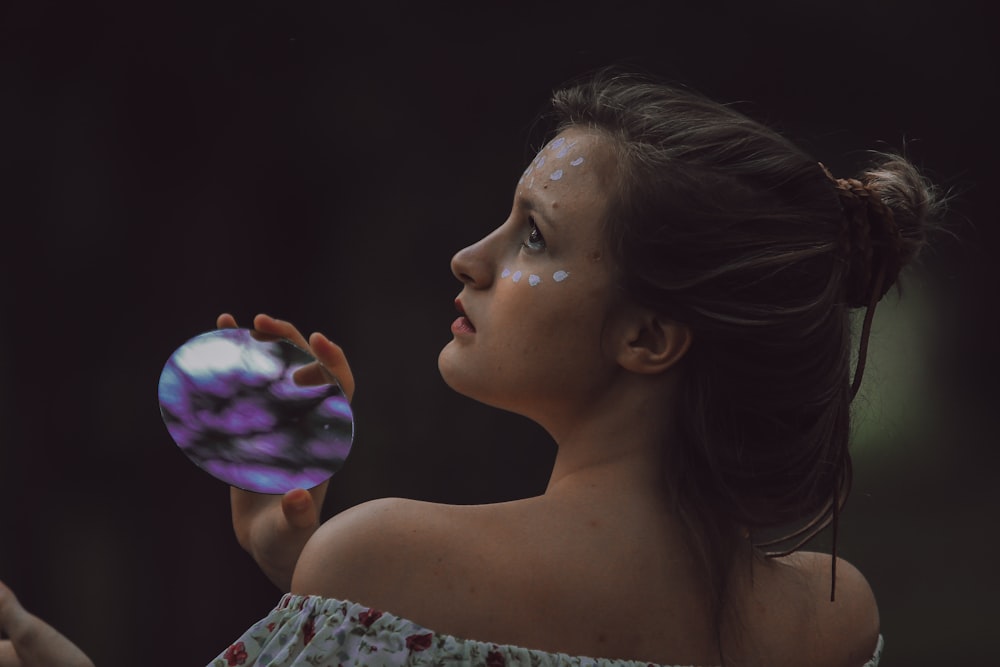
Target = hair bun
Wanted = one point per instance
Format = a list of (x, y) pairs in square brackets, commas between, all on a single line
[(886, 216)]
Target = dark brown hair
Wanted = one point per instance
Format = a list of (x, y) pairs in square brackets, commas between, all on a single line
[(725, 225)]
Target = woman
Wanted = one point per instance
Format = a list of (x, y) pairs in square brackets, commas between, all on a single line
[(669, 299)]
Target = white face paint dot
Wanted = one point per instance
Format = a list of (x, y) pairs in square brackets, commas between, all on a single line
[(577, 162), (556, 175), (560, 276), (517, 276), (506, 272), (528, 170), (533, 280), (558, 142), (541, 162), (562, 152)]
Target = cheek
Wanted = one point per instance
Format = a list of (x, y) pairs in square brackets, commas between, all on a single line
[(538, 278), (538, 308)]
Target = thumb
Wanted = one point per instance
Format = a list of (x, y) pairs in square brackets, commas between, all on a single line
[(12, 614), (299, 509)]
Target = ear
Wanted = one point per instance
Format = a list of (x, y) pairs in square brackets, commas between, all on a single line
[(651, 343)]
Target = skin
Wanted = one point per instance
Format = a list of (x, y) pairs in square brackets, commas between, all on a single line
[(31, 642), (598, 565), (530, 340)]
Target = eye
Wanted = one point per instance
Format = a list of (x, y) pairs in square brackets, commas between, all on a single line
[(535, 241)]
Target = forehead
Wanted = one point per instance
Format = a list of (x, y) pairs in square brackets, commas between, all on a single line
[(575, 166)]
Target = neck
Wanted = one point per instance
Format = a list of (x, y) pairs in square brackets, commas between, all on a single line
[(618, 443)]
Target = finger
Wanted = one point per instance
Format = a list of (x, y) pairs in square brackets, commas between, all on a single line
[(300, 509), (38, 644), (267, 324), (8, 656), (28, 634), (311, 375), (33, 642), (333, 359), (315, 375), (225, 321), (10, 609)]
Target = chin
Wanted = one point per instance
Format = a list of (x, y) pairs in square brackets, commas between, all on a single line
[(475, 385), (460, 378), (448, 367)]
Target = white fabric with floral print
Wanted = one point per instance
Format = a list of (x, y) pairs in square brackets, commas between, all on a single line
[(324, 632)]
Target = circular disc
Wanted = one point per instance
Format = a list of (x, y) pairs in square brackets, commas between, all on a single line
[(255, 411)]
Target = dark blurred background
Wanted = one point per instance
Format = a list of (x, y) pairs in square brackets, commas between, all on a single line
[(164, 162)]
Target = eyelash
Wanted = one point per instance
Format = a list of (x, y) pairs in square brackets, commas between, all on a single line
[(534, 237)]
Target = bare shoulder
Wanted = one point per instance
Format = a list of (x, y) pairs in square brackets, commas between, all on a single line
[(371, 553), (847, 628)]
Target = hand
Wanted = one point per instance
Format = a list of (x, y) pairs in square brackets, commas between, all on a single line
[(33, 642), (274, 530)]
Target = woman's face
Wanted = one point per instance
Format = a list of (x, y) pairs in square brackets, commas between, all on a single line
[(538, 291)]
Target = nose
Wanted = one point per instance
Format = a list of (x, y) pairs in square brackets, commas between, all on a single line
[(474, 265)]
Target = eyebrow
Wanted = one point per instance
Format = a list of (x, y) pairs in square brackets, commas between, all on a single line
[(532, 204)]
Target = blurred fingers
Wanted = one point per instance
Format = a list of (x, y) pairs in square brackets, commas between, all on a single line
[(11, 611), (8, 656), (225, 321), (270, 325)]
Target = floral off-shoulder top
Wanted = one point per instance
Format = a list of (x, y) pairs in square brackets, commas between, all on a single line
[(312, 631)]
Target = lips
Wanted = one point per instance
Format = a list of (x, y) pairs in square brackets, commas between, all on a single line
[(463, 324)]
